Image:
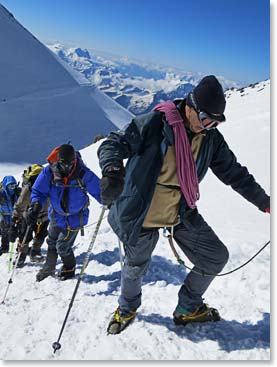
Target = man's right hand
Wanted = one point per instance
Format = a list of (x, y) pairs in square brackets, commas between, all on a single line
[(111, 184)]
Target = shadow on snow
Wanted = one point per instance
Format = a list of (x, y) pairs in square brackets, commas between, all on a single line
[(230, 335), (160, 269)]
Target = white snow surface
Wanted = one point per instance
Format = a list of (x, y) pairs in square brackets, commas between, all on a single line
[(33, 313)]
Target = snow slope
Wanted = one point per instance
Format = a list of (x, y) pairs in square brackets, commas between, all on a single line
[(31, 319), (43, 101)]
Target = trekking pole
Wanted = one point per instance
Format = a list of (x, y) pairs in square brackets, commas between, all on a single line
[(120, 254), (10, 257), (15, 264), (56, 345)]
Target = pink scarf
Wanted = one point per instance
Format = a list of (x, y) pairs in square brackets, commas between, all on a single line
[(186, 167)]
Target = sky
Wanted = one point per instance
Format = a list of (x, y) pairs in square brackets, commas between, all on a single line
[(229, 38)]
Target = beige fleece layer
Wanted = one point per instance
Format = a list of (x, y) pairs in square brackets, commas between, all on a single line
[(164, 207)]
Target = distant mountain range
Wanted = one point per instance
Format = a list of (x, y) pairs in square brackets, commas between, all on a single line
[(135, 85)]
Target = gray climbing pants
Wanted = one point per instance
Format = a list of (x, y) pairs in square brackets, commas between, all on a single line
[(61, 240), (202, 247)]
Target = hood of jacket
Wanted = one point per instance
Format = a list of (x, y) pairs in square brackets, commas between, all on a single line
[(6, 181)]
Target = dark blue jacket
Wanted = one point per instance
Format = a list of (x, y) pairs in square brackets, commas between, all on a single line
[(7, 201), (68, 203), (144, 142)]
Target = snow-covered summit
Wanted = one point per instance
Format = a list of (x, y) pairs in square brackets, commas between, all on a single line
[(82, 53), (43, 101)]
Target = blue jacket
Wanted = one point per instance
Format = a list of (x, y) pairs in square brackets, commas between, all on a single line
[(144, 142), (7, 201), (68, 203)]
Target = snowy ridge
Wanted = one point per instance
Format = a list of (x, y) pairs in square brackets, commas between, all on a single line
[(79, 77), (43, 101), (33, 314)]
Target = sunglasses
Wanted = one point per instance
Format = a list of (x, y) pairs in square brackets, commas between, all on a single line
[(206, 122), (66, 166), (11, 186)]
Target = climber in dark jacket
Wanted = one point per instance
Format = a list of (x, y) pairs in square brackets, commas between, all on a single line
[(151, 193)]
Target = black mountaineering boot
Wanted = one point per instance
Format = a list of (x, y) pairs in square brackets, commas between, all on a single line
[(21, 260), (4, 250), (49, 266), (202, 313), (66, 273), (68, 268), (120, 320), (36, 257), (22, 257)]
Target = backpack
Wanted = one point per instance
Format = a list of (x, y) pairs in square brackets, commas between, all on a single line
[(30, 174)]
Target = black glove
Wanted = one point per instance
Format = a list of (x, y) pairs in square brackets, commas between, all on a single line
[(111, 184), (14, 230), (32, 214)]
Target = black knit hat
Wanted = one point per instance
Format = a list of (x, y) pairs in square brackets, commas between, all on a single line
[(66, 153), (208, 96)]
